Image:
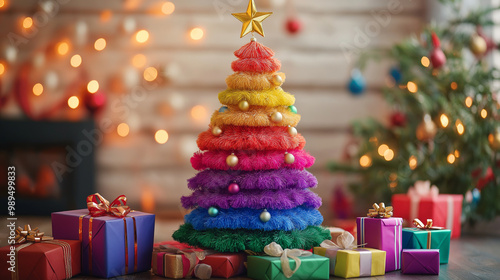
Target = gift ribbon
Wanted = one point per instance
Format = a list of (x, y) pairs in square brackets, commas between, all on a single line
[(449, 217), (419, 190), (190, 254), (27, 234), (365, 262), (419, 224), (27, 237), (275, 250), (99, 206), (380, 211)]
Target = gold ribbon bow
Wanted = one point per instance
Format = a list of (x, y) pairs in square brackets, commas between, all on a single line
[(27, 234), (380, 211), (418, 223), (99, 206), (275, 250), (190, 254)]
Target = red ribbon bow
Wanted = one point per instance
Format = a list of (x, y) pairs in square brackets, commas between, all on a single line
[(99, 206)]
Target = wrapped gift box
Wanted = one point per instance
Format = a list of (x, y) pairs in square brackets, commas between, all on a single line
[(269, 268), (41, 261), (335, 232), (444, 209), (383, 234), (420, 261), (170, 265), (111, 246), (224, 265), (354, 263), (415, 238)]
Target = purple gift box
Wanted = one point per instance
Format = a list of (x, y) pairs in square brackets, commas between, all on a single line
[(111, 246), (420, 261), (384, 234)]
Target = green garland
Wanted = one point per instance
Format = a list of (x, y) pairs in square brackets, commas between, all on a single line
[(224, 240)]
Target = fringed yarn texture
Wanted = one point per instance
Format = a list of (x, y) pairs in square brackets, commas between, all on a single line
[(257, 65), (268, 199), (252, 81), (224, 240), (254, 50), (255, 116), (268, 98), (251, 138), (290, 219), (284, 178), (251, 160)]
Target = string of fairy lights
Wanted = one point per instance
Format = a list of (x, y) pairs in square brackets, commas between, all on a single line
[(388, 154), (76, 59)]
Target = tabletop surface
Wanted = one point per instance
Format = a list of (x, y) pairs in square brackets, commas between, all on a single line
[(471, 257)]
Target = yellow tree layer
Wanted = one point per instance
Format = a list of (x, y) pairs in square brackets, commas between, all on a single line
[(253, 81), (269, 98), (255, 116)]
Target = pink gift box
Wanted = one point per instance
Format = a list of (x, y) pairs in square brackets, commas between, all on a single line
[(384, 234)]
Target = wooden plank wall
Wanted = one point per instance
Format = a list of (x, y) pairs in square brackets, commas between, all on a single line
[(314, 61)]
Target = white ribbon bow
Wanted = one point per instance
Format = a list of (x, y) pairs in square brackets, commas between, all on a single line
[(275, 250), (423, 189), (345, 241)]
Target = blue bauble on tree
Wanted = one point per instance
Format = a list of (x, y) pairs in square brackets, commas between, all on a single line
[(357, 84), (476, 196), (396, 74)]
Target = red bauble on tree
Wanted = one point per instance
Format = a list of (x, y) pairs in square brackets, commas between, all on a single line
[(293, 25), (483, 180), (398, 119), (437, 57), (95, 102)]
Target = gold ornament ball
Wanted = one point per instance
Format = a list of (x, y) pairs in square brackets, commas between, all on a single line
[(477, 45), (292, 131), (243, 105), (494, 140), (232, 160), (289, 158), (277, 80), (427, 129), (216, 131), (276, 117)]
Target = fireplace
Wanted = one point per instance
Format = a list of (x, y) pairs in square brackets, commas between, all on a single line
[(54, 163)]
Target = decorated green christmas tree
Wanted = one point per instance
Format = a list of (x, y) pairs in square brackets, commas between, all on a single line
[(444, 127), (252, 188)]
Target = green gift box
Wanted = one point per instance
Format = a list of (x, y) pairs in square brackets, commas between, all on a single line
[(269, 268), (415, 238)]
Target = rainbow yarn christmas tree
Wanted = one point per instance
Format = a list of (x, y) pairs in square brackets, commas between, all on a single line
[(252, 188)]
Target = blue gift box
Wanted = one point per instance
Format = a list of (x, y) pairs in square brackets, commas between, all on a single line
[(111, 246)]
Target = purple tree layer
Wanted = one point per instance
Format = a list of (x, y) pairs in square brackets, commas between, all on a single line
[(255, 199)]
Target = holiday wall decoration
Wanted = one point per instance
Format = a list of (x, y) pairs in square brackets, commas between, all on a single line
[(252, 188), (445, 119)]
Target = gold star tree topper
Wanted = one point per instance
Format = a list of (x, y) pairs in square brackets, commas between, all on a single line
[(252, 20)]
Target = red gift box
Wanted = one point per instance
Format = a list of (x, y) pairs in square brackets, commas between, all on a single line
[(41, 261), (445, 210), (224, 265)]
